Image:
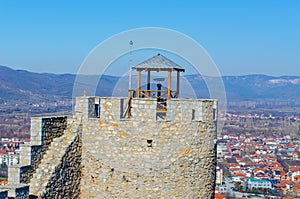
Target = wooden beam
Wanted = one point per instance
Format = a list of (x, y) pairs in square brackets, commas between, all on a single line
[(178, 85), (139, 84), (148, 83), (169, 84)]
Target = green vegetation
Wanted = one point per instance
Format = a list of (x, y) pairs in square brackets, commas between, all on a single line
[(239, 186)]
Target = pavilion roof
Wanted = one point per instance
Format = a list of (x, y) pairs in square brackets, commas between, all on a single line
[(158, 63)]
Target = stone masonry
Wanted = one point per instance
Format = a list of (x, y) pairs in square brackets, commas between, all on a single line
[(100, 152), (3, 193), (55, 149), (147, 156)]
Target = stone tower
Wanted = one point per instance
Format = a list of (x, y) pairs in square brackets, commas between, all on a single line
[(141, 146)]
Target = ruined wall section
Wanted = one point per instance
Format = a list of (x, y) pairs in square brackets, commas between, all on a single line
[(143, 157), (43, 131)]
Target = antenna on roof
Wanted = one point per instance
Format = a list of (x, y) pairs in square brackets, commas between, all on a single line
[(130, 65)]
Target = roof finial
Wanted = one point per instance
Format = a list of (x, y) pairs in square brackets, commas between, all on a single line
[(130, 66)]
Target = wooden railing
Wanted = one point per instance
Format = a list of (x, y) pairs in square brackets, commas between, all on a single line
[(161, 99), (151, 94)]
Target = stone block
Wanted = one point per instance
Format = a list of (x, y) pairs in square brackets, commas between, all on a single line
[(13, 174), (25, 155)]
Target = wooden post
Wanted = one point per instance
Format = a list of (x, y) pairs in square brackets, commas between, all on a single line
[(148, 83), (139, 84), (129, 94), (178, 85), (169, 84)]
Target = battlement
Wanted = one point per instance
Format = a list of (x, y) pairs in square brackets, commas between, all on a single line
[(108, 108)]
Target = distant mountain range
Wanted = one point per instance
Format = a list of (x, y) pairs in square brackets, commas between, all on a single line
[(23, 86)]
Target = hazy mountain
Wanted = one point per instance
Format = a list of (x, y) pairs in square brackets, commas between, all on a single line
[(20, 85), (255, 87), (24, 86)]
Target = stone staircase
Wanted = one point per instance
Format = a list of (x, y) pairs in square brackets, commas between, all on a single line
[(51, 160)]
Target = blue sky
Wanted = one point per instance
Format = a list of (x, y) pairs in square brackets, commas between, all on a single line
[(242, 37)]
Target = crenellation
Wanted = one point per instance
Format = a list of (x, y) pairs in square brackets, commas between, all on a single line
[(35, 131), (25, 154), (14, 174), (52, 127)]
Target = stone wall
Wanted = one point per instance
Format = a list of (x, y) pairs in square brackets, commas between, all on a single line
[(43, 131), (65, 181), (22, 192), (3, 193), (108, 156), (85, 106), (143, 157), (144, 109), (26, 173), (15, 192), (59, 171)]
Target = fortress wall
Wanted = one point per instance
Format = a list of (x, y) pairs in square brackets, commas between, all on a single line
[(65, 181), (120, 157), (85, 107), (142, 157), (144, 109), (43, 131), (191, 110)]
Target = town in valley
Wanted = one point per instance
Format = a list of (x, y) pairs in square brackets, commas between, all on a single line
[(258, 150)]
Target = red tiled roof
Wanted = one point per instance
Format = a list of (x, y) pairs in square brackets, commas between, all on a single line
[(294, 168), (2, 152), (239, 174), (295, 188), (233, 164), (4, 182), (288, 182), (279, 185), (250, 164), (297, 176), (220, 196), (234, 169), (287, 197)]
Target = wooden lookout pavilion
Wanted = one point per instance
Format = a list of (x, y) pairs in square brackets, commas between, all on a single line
[(158, 63)]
